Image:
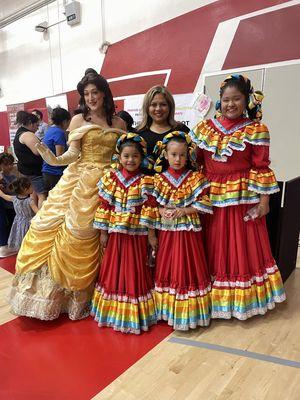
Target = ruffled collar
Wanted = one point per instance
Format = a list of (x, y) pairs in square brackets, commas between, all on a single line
[(212, 136), (128, 178), (176, 173), (229, 126), (129, 174), (176, 177)]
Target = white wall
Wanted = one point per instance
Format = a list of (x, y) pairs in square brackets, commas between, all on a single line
[(35, 65)]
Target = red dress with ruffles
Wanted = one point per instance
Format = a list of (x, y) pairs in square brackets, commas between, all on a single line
[(123, 296), (182, 281), (245, 278)]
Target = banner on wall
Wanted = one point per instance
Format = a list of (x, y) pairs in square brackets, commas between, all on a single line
[(12, 116), (187, 109)]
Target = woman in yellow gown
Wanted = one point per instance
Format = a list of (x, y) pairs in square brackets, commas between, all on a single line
[(60, 254)]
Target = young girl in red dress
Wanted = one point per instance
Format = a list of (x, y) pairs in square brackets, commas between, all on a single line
[(182, 282), (123, 295), (234, 149)]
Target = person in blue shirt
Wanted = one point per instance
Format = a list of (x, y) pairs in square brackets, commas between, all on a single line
[(55, 139)]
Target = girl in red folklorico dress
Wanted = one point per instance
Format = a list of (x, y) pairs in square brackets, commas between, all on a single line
[(182, 281), (123, 295), (235, 152)]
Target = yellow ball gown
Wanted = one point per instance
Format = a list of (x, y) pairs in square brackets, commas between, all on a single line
[(59, 258)]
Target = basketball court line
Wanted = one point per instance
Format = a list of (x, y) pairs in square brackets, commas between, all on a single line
[(237, 352)]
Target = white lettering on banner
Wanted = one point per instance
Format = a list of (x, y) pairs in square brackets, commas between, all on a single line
[(12, 110)]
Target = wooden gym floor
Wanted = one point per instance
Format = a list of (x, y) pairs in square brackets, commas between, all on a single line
[(258, 359)]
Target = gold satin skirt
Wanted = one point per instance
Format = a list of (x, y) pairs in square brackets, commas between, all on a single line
[(58, 262)]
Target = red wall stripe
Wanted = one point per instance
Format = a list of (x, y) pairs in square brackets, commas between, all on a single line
[(39, 103), (180, 44), (4, 131), (138, 85), (266, 38)]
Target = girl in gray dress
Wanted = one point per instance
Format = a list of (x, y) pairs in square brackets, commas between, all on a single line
[(25, 209)]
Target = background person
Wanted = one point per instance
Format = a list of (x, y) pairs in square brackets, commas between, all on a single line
[(55, 140), (42, 127), (24, 207), (29, 160), (158, 117)]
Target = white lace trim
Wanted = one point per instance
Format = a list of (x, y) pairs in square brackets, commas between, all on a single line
[(249, 313), (123, 329), (124, 298), (183, 327), (262, 191), (36, 295), (189, 294), (246, 284)]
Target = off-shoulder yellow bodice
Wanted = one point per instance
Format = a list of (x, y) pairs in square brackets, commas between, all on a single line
[(98, 146)]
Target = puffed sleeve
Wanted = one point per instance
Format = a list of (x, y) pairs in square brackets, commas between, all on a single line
[(150, 216), (103, 212), (262, 179), (200, 189)]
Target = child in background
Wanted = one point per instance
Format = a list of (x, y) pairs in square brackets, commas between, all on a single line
[(234, 149), (7, 213), (25, 209), (123, 295), (182, 281)]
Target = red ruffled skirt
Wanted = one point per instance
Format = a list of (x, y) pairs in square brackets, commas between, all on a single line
[(123, 295), (246, 280), (182, 282)]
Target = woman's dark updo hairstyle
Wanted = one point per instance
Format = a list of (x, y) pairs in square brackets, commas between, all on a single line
[(132, 143), (92, 77), (60, 115), (243, 86), (19, 185), (127, 118), (25, 118)]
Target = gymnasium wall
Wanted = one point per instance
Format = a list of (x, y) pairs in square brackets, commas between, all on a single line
[(174, 42)]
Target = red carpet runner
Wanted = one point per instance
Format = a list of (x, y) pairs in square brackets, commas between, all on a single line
[(64, 359)]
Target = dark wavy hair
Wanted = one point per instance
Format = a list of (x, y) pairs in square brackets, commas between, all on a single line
[(92, 77), (6, 159), (60, 115), (18, 186), (25, 118)]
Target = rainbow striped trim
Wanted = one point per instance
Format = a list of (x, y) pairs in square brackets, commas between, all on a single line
[(187, 223), (123, 222), (183, 312), (263, 182), (244, 299), (123, 313), (244, 190), (124, 194), (223, 194), (189, 191), (222, 145), (186, 192)]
